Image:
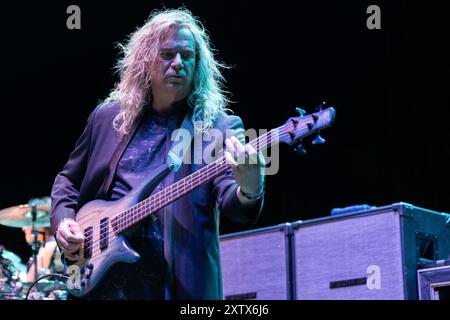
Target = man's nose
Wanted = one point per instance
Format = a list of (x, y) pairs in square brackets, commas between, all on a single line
[(177, 63)]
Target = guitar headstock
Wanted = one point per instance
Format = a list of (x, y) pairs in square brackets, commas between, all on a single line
[(296, 128)]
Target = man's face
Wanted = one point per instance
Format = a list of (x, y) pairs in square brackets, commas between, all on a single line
[(175, 65)]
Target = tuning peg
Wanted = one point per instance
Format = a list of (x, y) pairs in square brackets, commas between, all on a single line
[(321, 106), (318, 139), (299, 149), (300, 111), (292, 135), (315, 117)]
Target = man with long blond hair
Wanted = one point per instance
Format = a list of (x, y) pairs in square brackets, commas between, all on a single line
[(169, 79)]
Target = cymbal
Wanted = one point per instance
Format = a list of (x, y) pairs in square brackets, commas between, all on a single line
[(11, 256), (18, 267), (21, 216)]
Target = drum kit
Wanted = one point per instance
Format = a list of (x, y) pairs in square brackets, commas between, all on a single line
[(13, 273)]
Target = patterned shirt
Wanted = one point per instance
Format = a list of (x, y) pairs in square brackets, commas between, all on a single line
[(146, 151)]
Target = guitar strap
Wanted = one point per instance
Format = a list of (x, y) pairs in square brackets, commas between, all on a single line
[(180, 150)]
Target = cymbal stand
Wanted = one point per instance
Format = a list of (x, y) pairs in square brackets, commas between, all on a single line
[(35, 246)]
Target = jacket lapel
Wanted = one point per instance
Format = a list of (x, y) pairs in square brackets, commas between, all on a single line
[(181, 144), (120, 148)]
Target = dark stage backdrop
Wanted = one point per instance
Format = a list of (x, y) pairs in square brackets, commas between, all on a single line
[(390, 89)]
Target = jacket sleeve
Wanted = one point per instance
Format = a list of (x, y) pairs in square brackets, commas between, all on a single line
[(66, 187), (225, 186)]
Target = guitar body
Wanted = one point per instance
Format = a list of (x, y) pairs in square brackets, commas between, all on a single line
[(102, 247)]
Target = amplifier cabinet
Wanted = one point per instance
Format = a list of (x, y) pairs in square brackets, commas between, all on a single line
[(367, 255), (256, 264), (434, 282)]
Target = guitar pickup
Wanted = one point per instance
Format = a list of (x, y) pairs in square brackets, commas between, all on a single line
[(104, 233), (87, 250)]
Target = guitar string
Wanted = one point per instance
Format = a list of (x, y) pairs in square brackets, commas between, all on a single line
[(215, 168), (154, 203), (190, 182), (159, 198), (97, 252)]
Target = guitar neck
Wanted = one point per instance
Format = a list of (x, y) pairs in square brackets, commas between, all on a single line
[(180, 188), (293, 131)]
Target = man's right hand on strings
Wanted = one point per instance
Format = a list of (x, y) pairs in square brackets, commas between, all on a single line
[(69, 238)]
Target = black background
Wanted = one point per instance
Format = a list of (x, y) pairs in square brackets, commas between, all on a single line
[(390, 88)]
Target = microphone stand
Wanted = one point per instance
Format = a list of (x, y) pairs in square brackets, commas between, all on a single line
[(36, 244)]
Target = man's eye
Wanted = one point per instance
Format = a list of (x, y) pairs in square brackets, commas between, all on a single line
[(171, 55), (187, 56), (167, 55)]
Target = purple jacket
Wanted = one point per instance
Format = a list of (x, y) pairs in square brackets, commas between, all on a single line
[(191, 223)]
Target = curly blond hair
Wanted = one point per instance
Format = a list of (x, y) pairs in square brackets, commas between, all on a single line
[(140, 52)]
